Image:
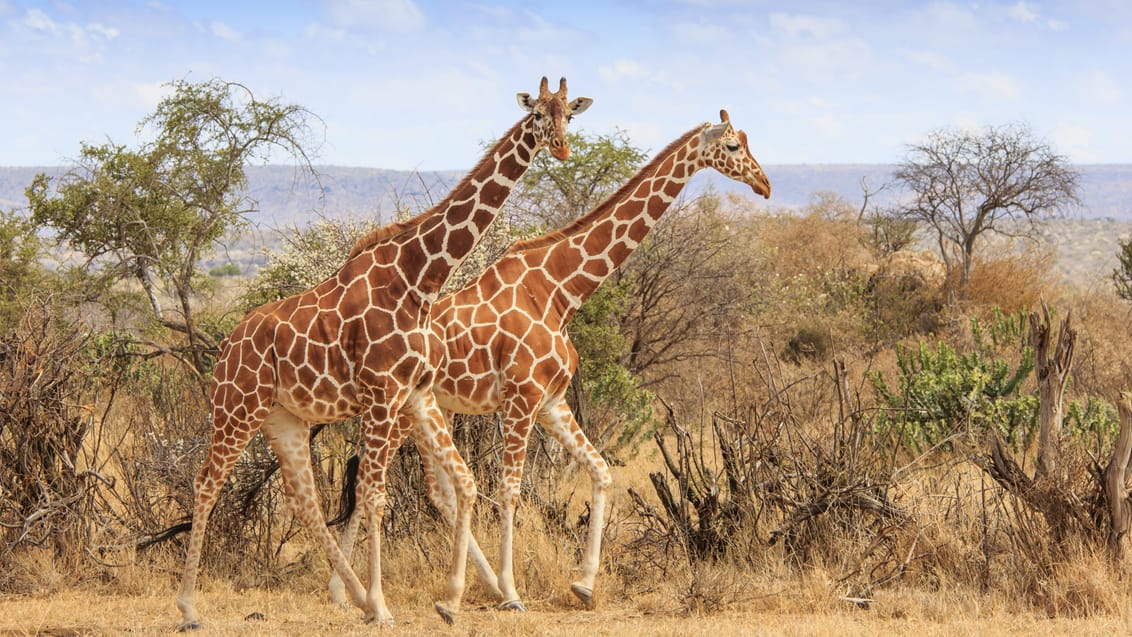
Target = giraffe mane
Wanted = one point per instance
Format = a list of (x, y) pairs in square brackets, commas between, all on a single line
[(380, 234), (582, 222)]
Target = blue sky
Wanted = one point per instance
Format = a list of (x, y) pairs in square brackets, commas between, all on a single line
[(414, 84)]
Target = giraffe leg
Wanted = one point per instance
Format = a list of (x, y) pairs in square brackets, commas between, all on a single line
[(222, 454), (346, 543), (517, 422), (443, 496), (289, 437), (435, 442), (382, 435), (557, 419)]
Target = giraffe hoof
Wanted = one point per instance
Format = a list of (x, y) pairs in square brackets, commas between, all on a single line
[(514, 604), (381, 622), (584, 593), (447, 614), (189, 626)]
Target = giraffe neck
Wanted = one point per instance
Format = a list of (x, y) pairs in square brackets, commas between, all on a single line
[(580, 256), (434, 243)]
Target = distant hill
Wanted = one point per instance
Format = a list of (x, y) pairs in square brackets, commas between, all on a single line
[(288, 197), (1086, 242)]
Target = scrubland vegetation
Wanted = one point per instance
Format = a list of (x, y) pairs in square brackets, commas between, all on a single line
[(813, 423)]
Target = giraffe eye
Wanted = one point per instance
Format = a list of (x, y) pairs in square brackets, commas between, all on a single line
[(732, 146), (538, 116), (569, 118)]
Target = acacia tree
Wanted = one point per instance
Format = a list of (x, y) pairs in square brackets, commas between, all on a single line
[(150, 214), (20, 250), (553, 193), (966, 184), (1122, 274)]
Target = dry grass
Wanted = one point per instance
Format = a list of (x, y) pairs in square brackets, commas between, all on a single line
[(289, 612)]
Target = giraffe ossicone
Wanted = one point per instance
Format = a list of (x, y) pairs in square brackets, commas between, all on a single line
[(505, 341), (358, 344)]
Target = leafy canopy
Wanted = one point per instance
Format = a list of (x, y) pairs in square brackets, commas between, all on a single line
[(151, 213)]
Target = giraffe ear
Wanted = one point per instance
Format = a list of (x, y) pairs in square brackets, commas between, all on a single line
[(712, 132), (579, 105), (525, 101)]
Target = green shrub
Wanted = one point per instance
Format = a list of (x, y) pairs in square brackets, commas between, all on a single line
[(941, 392), (228, 269)]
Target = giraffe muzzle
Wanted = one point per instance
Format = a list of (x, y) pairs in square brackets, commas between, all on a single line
[(762, 186), (560, 149)]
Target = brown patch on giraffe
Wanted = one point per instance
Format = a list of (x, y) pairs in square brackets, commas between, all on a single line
[(316, 355), (482, 218), (330, 299), (619, 251), (510, 165), (566, 259), (378, 325), (639, 229), (433, 240), (489, 282), (465, 386), (461, 240), (304, 375), (482, 333), (302, 317), (484, 315)]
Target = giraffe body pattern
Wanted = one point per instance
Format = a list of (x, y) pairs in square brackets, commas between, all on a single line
[(505, 342), (359, 343)]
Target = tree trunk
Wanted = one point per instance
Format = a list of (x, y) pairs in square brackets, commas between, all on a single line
[(1116, 479), (1053, 371)]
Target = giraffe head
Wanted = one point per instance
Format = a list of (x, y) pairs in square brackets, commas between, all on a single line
[(725, 149), (549, 114)]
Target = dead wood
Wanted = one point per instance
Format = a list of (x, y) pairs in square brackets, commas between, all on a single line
[(1052, 369), (1115, 478)]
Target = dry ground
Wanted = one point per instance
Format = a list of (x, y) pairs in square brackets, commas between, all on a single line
[(291, 613)]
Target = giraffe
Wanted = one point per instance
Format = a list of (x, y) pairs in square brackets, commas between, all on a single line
[(506, 345), (359, 343)]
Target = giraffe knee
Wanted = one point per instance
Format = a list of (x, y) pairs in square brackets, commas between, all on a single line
[(509, 493), (603, 478), (466, 490)]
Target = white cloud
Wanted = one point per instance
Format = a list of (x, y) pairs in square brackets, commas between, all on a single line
[(541, 31), (86, 41), (847, 57), (496, 12), (40, 21), (150, 94), (702, 33), (319, 31), (623, 69), (398, 16), (994, 84), (104, 31), (223, 31), (804, 25), (828, 125), (1022, 12), (930, 59), (1075, 142), (945, 17), (1099, 87)]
